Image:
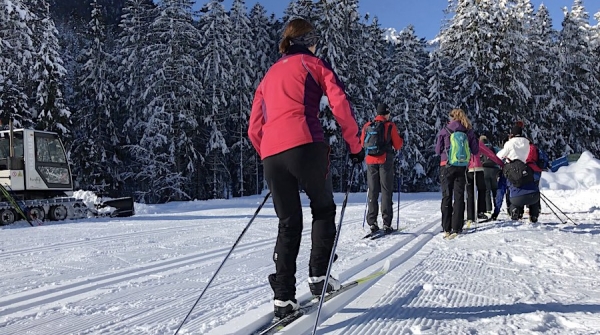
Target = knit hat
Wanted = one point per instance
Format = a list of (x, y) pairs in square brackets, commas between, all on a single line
[(382, 109), (516, 131)]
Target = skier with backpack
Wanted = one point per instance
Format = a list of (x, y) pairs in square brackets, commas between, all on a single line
[(491, 170), (475, 179), (285, 130), (455, 144), (520, 176), (379, 139)]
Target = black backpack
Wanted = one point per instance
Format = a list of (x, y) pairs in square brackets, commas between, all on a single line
[(518, 173), (485, 161), (376, 143)]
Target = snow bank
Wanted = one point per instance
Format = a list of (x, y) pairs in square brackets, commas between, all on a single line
[(581, 175)]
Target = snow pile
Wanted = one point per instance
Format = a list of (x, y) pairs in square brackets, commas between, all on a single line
[(581, 175), (90, 199)]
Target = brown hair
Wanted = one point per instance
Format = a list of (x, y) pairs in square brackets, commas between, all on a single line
[(459, 115), (295, 28)]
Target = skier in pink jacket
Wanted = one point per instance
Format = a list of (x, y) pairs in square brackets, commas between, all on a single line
[(475, 177)]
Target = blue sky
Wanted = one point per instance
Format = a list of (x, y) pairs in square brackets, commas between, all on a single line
[(425, 15)]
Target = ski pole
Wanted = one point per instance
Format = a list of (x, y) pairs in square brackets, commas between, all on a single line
[(398, 210), (558, 208), (224, 260), (475, 197), (552, 209), (399, 186), (366, 205), (332, 256)]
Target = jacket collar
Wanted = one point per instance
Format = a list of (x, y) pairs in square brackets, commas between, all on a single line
[(298, 49)]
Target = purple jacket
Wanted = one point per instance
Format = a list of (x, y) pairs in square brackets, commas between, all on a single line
[(443, 140)]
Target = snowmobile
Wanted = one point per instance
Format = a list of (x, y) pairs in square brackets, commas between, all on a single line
[(35, 178)]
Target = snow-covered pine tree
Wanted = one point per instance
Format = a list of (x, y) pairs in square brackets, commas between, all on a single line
[(275, 33), (369, 61), (514, 75), (218, 71), (135, 23), (16, 50), (166, 157), (596, 60), (595, 39), (264, 43), (304, 9), (440, 103), (137, 17), (362, 62), (544, 85), (47, 75), (365, 63), (71, 38), (245, 64), (262, 50), (579, 87), (470, 45), (406, 96), (95, 164), (334, 47)]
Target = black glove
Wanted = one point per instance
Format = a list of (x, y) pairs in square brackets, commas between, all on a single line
[(358, 157)]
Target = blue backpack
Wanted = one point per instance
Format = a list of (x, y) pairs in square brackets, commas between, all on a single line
[(543, 161), (377, 142), (459, 153)]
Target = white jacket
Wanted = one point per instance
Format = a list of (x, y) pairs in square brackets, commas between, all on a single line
[(515, 148)]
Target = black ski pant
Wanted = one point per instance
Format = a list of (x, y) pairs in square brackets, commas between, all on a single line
[(479, 182), (531, 200), (305, 166), (491, 187), (453, 180), (380, 179)]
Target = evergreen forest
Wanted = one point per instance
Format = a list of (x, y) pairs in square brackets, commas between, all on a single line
[(152, 99)]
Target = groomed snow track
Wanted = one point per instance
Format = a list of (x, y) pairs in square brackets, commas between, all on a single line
[(405, 246), (166, 287)]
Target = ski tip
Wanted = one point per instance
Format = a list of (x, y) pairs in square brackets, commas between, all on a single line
[(386, 266)]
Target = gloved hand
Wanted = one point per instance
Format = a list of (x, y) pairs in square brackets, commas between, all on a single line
[(358, 157)]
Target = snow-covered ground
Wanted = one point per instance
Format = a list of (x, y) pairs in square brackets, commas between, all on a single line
[(141, 275)]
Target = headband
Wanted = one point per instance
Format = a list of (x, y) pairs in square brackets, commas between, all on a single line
[(308, 40)]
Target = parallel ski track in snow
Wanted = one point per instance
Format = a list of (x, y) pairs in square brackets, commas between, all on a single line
[(419, 298), (399, 254), (415, 239), (98, 240), (206, 312), (103, 290)]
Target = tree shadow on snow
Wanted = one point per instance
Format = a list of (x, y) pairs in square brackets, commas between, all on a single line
[(398, 310), (580, 228)]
